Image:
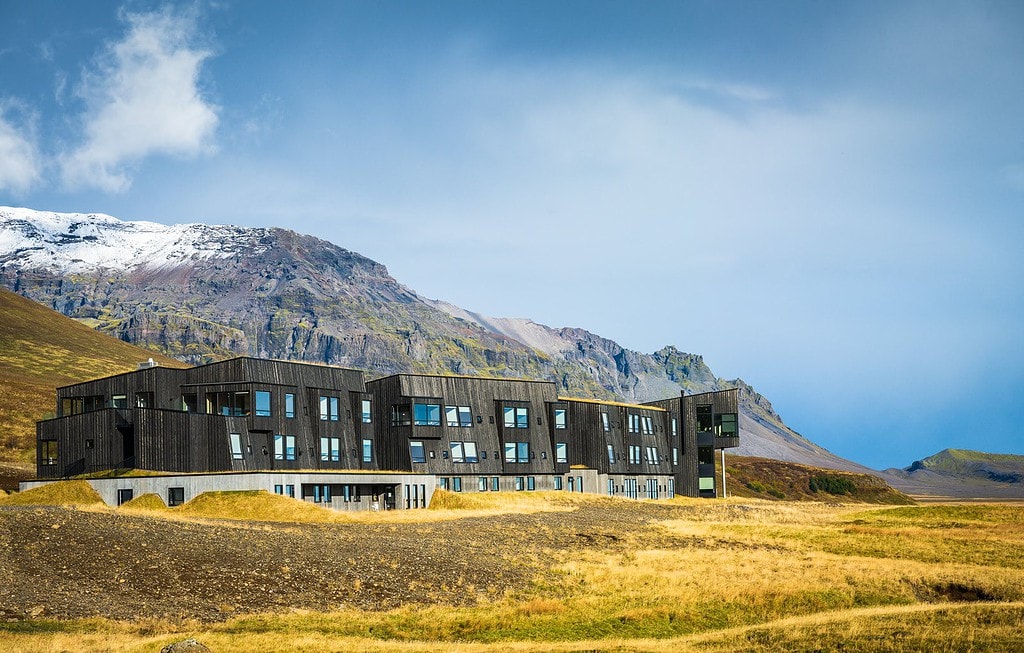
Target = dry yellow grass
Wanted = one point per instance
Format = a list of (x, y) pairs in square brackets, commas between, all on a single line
[(64, 493), (735, 575)]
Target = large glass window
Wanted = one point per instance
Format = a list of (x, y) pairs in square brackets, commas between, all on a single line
[(611, 454), (263, 403), (48, 452), (330, 409), (560, 418), (367, 411), (457, 455), (426, 414), (401, 415), (367, 451), (144, 400), (416, 452), (458, 416), (648, 425), (464, 452), (517, 417), (561, 453), (634, 423), (510, 452), (703, 419), (232, 404), (330, 449), (289, 405), (725, 425), (236, 446), (284, 447), (189, 402), (605, 423)]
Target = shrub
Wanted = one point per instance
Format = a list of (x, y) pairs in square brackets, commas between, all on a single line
[(831, 484), (756, 486)]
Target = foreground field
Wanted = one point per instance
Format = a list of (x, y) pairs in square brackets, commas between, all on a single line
[(550, 572)]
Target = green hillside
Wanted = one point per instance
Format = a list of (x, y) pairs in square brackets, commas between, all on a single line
[(998, 467), (41, 350)]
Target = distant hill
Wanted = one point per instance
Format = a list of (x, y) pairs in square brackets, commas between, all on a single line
[(41, 350), (961, 473), (201, 292)]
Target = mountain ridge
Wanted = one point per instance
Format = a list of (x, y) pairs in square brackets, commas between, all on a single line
[(274, 293)]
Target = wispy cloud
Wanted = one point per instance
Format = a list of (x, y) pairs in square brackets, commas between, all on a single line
[(20, 167), (142, 98)]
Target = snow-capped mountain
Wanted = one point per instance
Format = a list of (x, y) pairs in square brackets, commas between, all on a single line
[(78, 242), (199, 292)]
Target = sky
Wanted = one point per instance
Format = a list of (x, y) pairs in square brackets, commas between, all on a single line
[(825, 199)]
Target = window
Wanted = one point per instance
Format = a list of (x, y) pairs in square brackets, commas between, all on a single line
[(522, 452), (675, 455), (457, 484), (175, 496), (634, 423), (367, 451), (604, 422), (531, 483), (611, 454), (517, 417), (611, 488), (464, 452), (483, 484), (236, 446), (416, 451), (652, 455), (519, 483), (124, 496), (230, 404), (426, 414), (444, 483), (648, 425), (144, 400), (707, 483), (560, 418), (634, 454), (90, 443), (510, 452), (675, 432), (705, 455), (367, 411), (48, 452), (330, 409), (278, 489), (558, 482), (290, 490), (289, 405), (121, 401), (330, 449), (703, 419), (284, 447), (263, 403), (189, 402), (458, 416), (725, 425), (561, 456), (495, 484), (401, 415)]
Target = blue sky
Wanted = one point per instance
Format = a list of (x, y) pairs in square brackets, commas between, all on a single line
[(823, 198)]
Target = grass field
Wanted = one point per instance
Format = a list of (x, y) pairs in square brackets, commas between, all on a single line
[(733, 575)]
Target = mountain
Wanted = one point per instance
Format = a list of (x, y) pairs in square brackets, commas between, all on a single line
[(200, 292), (41, 350), (962, 473)]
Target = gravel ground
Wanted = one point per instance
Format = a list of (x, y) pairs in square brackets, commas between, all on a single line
[(66, 563)]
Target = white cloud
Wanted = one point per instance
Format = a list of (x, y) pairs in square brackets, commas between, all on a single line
[(20, 167), (143, 99)]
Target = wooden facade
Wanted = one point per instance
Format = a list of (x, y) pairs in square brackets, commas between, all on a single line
[(470, 433)]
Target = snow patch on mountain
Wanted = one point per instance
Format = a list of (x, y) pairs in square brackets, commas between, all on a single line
[(80, 242)]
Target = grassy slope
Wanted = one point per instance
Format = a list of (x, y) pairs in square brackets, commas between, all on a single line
[(776, 480), (737, 575), (41, 350)]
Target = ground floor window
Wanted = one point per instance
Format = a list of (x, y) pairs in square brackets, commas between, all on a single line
[(124, 496), (495, 484), (175, 496), (483, 484), (457, 484), (558, 482), (531, 483), (519, 483)]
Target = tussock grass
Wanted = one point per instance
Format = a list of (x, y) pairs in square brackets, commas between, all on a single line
[(257, 505), (59, 493)]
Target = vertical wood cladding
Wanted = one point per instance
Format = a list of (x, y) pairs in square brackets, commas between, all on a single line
[(248, 414)]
